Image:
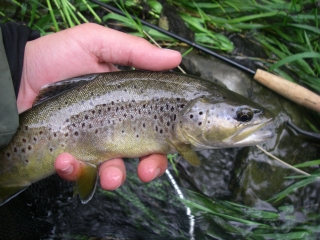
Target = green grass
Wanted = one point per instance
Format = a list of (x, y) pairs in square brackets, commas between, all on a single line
[(287, 30)]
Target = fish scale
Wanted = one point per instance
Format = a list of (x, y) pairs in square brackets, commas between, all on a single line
[(125, 114)]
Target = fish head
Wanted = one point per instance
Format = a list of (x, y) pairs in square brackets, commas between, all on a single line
[(208, 122)]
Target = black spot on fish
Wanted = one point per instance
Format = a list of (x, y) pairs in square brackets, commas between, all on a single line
[(23, 150), (174, 117), (122, 131), (112, 103), (117, 108), (155, 117), (76, 133), (125, 115), (134, 86), (139, 111), (104, 105), (122, 108), (182, 105), (120, 119), (167, 106), (131, 116), (15, 150), (200, 123), (178, 99), (83, 125), (26, 160), (130, 105), (86, 116), (200, 113), (156, 128), (144, 125), (8, 154), (93, 111), (99, 111), (24, 140), (109, 109), (96, 131), (137, 136), (118, 86), (144, 106), (168, 123), (172, 127), (29, 147), (172, 109), (54, 134), (66, 135), (161, 109), (40, 132), (26, 128), (161, 131), (35, 139), (191, 116), (208, 121), (51, 149), (90, 125), (66, 102)]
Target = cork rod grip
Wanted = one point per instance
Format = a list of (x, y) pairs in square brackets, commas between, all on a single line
[(290, 90)]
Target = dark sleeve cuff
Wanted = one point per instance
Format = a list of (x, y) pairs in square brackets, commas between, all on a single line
[(15, 37)]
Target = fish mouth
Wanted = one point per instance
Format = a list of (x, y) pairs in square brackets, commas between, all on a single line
[(253, 134)]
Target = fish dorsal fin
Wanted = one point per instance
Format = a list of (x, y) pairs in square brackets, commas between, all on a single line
[(186, 151), (86, 182), (54, 89)]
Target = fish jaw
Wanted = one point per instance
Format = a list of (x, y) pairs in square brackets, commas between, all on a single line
[(255, 134)]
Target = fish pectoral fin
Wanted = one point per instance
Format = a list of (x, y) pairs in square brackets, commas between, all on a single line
[(86, 182), (186, 151), (9, 191)]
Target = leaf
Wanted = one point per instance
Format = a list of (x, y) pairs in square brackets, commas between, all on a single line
[(296, 57)]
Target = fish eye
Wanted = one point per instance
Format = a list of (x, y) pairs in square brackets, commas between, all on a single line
[(244, 115)]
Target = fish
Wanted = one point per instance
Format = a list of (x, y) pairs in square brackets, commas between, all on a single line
[(125, 114)]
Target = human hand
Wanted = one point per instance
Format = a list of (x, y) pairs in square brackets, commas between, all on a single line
[(91, 48)]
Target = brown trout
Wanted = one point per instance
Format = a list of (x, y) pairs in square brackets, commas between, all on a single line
[(125, 114)]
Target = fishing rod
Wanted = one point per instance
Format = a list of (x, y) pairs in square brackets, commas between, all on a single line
[(290, 90)]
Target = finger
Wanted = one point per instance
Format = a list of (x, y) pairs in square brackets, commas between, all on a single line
[(152, 166), (124, 49), (67, 166), (112, 174)]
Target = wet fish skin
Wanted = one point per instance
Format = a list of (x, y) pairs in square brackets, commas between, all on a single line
[(126, 114)]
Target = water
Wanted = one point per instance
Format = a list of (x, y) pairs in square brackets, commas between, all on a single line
[(47, 210)]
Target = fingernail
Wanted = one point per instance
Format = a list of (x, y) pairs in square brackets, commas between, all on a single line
[(67, 170), (157, 173), (168, 49)]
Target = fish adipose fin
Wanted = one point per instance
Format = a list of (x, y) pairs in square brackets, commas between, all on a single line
[(9, 191), (86, 182), (51, 90), (186, 151)]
